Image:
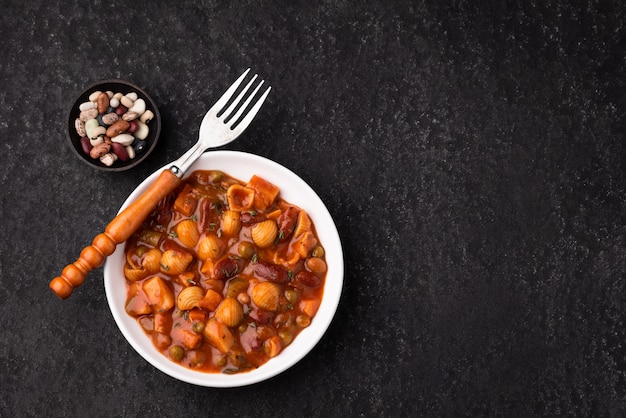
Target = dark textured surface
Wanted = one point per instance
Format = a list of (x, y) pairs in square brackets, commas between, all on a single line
[(471, 155)]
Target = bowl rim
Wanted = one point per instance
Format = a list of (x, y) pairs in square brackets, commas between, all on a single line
[(236, 163), (73, 114)]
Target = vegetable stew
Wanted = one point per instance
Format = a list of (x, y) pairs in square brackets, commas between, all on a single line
[(223, 275)]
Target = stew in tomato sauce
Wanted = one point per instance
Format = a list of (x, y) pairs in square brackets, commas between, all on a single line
[(223, 275)]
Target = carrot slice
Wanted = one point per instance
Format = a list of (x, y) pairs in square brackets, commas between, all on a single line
[(211, 300), (310, 306), (188, 338), (186, 202), (196, 315), (162, 322)]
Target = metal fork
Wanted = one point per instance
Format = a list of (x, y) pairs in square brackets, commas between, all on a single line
[(219, 126)]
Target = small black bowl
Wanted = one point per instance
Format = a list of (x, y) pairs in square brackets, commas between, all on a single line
[(115, 86)]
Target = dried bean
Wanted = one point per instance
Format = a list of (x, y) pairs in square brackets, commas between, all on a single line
[(113, 126)]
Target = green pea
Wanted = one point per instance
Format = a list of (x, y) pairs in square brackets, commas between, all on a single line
[(221, 361), (198, 357), (140, 250), (236, 286), (285, 337), (177, 352), (291, 296), (318, 252), (246, 249), (198, 326)]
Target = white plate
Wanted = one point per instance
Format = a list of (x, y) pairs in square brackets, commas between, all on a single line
[(293, 189)]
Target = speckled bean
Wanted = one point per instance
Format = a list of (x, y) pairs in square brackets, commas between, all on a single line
[(130, 115), (113, 126), (110, 118), (85, 115), (117, 128), (99, 150), (108, 159), (87, 105), (79, 125)]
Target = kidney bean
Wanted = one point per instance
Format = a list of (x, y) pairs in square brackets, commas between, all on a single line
[(250, 217), (307, 278), (227, 267), (162, 214), (85, 144), (287, 222), (170, 244), (261, 316), (120, 151), (209, 215), (271, 272)]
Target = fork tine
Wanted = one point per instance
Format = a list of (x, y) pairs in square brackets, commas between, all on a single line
[(229, 93), (237, 101), (252, 113), (243, 107)]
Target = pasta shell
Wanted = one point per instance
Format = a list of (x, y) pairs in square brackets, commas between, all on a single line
[(175, 262), (210, 247), (187, 233), (229, 312), (189, 298), (151, 260), (305, 244), (303, 225), (264, 233), (231, 222), (266, 295), (240, 197), (134, 274)]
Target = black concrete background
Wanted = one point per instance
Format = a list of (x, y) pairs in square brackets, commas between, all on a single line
[(471, 153)]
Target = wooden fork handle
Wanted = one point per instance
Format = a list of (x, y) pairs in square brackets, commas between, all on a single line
[(116, 232)]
